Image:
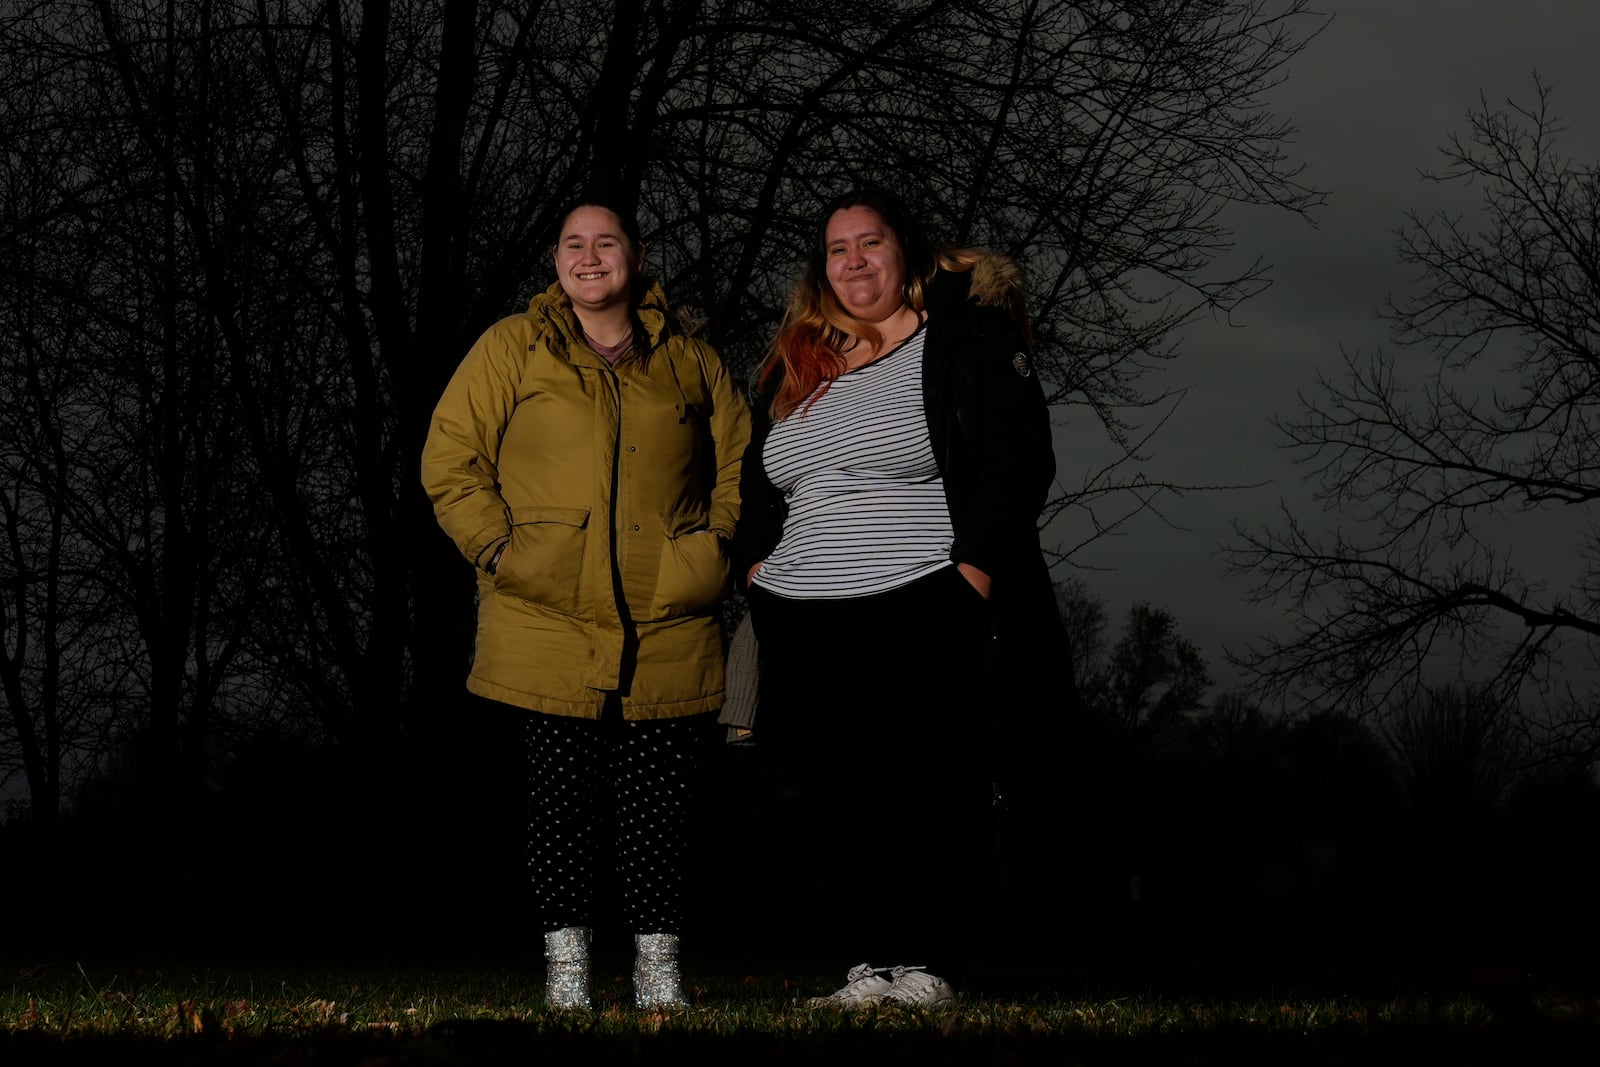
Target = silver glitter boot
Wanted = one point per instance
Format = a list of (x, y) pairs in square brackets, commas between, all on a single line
[(656, 984), (566, 954)]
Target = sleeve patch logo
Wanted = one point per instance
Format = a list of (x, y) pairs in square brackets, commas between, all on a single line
[(1020, 364)]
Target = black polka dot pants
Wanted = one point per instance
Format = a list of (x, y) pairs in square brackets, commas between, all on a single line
[(612, 790)]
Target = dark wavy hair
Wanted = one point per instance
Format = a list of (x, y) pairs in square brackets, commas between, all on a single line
[(639, 284)]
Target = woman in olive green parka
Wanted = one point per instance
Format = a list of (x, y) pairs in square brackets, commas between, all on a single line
[(592, 480), (585, 460)]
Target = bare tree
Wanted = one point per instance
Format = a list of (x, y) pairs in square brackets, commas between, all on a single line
[(64, 662), (131, 538), (1141, 687), (59, 683), (1457, 754), (1152, 679), (1500, 436), (303, 212)]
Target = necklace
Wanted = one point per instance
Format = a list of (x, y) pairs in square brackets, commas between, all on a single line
[(611, 353)]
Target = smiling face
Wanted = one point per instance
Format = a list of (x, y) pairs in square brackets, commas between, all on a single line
[(595, 260), (865, 265)]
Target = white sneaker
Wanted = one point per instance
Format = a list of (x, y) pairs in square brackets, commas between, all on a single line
[(862, 986), (918, 988)]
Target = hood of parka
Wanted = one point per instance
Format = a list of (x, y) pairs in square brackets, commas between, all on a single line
[(657, 318), (997, 281)]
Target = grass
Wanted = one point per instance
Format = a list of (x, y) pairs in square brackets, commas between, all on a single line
[(67, 1013)]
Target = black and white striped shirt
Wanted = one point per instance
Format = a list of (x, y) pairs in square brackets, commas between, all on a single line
[(867, 509)]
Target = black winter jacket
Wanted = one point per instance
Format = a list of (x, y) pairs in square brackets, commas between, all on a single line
[(990, 428)]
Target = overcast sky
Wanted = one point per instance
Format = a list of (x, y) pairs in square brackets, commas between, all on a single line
[(1373, 97)]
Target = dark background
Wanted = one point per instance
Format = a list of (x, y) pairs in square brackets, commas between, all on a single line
[(246, 246)]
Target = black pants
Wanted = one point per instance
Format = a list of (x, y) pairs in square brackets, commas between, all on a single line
[(618, 791), (875, 739)]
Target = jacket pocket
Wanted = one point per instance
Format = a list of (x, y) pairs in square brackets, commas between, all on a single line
[(694, 568), (544, 560)]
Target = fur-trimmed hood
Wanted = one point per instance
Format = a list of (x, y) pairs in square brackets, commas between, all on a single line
[(997, 281), (994, 281)]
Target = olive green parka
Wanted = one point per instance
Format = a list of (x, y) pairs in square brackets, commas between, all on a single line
[(614, 490)]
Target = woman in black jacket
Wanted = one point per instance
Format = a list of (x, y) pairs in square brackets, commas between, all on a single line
[(889, 540)]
